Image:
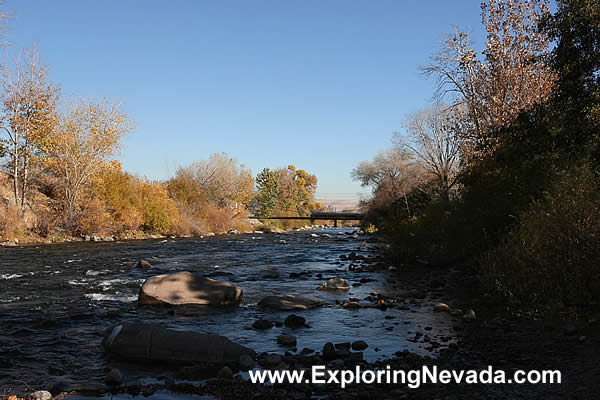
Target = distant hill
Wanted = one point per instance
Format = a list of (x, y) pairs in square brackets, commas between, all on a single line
[(340, 205)]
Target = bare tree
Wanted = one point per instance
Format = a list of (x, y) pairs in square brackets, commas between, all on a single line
[(433, 137), (392, 175)]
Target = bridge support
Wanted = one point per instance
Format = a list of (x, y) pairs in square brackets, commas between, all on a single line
[(335, 225)]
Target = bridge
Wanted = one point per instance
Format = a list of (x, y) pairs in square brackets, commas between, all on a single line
[(324, 216)]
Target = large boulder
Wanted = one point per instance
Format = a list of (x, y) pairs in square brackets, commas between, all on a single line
[(289, 302), (148, 342), (185, 288), (335, 284)]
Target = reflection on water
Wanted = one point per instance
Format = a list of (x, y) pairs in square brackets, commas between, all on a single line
[(57, 300)]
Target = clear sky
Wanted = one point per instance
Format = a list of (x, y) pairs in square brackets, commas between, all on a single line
[(318, 84)]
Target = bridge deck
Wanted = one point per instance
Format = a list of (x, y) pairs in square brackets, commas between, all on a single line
[(322, 216)]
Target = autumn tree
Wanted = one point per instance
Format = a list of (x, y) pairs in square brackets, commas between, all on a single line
[(28, 116), (514, 75), (88, 134), (220, 181), (296, 191), (433, 138), (267, 184)]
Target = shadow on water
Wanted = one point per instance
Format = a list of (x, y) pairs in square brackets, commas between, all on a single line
[(57, 300)]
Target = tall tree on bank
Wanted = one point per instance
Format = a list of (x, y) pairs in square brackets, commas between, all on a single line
[(267, 184), (433, 137), (88, 134), (514, 76), (28, 116), (575, 27)]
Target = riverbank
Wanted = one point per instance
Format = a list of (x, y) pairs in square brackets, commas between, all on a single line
[(260, 228)]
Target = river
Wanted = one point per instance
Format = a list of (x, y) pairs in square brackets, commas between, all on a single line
[(57, 300)]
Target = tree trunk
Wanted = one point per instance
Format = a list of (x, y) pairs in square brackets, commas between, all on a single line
[(16, 170), (24, 183)]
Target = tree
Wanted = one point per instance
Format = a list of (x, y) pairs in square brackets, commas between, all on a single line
[(267, 183), (219, 181), (88, 134), (296, 190), (392, 175), (575, 27), (434, 139), (515, 75), (29, 115)]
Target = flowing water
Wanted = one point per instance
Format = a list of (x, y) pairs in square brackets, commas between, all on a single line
[(57, 300)]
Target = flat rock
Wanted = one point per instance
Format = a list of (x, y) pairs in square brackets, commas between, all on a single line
[(148, 342), (185, 288), (289, 302)]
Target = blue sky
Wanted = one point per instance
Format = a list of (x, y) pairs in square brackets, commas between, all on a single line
[(318, 84)]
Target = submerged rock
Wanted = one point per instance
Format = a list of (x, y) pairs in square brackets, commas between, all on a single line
[(185, 288), (147, 342), (294, 321), (289, 302), (286, 340), (335, 284), (262, 324)]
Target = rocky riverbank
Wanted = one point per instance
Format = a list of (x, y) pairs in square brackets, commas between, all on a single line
[(493, 337)]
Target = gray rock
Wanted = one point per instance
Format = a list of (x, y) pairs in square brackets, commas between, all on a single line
[(289, 302), (113, 377), (185, 288), (40, 395), (286, 340), (335, 284), (148, 342)]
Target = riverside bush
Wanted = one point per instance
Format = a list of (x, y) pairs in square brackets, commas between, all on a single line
[(552, 257)]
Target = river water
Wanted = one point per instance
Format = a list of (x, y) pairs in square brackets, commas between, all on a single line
[(57, 300)]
